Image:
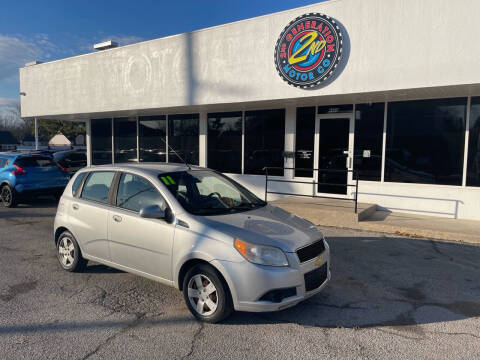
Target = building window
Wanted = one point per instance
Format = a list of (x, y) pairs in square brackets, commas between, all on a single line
[(264, 141), (304, 142), (368, 140), (183, 132), (152, 132), (125, 140), (473, 167), (426, 141), (225, 142), (101, 140)]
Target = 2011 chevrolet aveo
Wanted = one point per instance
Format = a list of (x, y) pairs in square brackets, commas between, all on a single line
[(194, 229)]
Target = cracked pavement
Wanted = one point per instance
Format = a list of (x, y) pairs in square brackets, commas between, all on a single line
[(390, 297)]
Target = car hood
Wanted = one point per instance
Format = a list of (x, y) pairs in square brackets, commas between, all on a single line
[(268, 225)]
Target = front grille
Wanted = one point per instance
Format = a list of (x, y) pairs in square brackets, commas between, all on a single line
[(311, 251), (316, 278)]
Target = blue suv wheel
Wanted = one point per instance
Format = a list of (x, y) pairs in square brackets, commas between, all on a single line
[(8, 196)]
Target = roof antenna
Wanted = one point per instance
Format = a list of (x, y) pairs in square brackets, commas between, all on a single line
[(189, 168)]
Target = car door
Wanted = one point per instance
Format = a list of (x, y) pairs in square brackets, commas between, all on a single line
[(88, 214), (143, 245)]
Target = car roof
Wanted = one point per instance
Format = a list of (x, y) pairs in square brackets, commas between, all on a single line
[(6, 155), (150, 168), (17, 154)]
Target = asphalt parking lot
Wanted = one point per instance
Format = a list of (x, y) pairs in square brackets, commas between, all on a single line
[(395, 298)]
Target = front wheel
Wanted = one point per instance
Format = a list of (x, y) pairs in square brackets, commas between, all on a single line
[(68, 253), (8, 196), (206, 294)]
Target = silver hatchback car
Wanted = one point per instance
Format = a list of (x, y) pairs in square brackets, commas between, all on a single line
[(195, 229)]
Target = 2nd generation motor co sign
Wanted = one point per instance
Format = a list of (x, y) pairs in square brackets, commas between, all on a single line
[(309, 50)]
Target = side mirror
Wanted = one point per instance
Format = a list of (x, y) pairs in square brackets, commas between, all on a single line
[(152, 212)]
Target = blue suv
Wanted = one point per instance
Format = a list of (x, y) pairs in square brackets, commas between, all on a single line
[(25, 175)]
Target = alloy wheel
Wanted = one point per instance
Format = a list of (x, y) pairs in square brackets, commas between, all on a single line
[(6, 195), (66, 251), (202, 295)]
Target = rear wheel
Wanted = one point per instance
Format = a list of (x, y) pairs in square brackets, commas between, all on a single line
[(206, 294), (68, 253), (8, 196)]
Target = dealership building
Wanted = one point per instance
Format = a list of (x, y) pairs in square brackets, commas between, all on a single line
[(387, 88)]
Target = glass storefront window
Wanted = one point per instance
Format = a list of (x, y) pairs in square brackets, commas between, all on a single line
[(304, 142), (426, 141), (125, 140), (101, 141), (152, 132), (225, 142), (183, 133), (473, 164), (368, 140), (264, 141)]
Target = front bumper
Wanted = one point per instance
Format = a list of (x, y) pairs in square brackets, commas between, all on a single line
[(249, 282)]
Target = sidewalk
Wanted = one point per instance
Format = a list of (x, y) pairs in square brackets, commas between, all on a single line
[(337, 213)]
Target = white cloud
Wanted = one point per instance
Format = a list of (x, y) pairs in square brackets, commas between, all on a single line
[(8, 102), (14, 53), (9, 109), (17, 50)]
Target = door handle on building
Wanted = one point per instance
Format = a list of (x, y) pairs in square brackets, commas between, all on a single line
[(117, 218)]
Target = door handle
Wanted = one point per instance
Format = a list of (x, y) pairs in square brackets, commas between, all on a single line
[(117, 218), (75, 206)]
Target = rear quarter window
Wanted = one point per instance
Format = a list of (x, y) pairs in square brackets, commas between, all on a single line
[(77, 182), (97, 186), (34, 161)]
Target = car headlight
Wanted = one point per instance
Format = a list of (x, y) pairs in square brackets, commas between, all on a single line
[(261, 254)]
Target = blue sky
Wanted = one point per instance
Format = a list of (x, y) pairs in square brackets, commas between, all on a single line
[(53, 29)]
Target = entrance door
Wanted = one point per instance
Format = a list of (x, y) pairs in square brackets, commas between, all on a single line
[(334, 150)]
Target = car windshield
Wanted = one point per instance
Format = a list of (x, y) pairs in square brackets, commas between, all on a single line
[(205, 192)]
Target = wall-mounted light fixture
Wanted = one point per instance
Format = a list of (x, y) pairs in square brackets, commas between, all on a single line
[(23, 94)]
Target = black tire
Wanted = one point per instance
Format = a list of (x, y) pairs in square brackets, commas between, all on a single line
[(221, 296), (74, 262), (9, 196)]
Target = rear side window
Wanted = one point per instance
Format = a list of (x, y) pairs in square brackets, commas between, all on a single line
[(76, 183), (36, 161), (78, 156), (97, 186), (3, 163), (135, 193)]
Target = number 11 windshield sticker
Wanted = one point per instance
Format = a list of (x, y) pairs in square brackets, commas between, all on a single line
[(309, 50)]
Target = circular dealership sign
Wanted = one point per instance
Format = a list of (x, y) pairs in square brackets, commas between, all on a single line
[(309, 50)]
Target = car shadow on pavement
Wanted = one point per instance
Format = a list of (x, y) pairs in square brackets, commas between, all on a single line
[(101, 269), (38, 202), (387, 281), (376, 282)]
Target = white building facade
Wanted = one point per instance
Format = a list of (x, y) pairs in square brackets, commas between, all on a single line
[(386, 89)]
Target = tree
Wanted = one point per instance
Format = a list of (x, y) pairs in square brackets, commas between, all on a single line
[(49, 128)]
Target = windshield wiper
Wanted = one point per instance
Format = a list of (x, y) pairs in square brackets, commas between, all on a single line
[(247, 206)]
